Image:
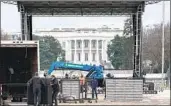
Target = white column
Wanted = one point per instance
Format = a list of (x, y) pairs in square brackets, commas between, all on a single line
[(97, 51), (75, 53), (70, 51), (105, 50), (90, 58), (82, 50), (66, 53), (102, 50)]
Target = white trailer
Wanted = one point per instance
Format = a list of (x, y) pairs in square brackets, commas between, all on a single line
[(23, 58)]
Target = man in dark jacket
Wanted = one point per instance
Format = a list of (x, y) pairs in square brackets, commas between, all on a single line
[(36, 82), (94, 84), (55, 89)]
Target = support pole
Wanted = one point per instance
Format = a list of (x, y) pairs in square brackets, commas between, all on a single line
[(25, 26), (22, 26), (163, 16), (29, 27), (139, 40), (0, 30), (31, 33), (134, 36), (137, 33)]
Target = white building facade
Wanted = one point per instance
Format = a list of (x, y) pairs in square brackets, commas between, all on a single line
[(84, 45)]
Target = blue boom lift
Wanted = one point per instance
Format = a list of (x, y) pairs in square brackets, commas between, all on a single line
[(93, 70)]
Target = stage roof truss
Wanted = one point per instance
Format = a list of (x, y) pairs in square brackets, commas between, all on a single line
[(86, 8)]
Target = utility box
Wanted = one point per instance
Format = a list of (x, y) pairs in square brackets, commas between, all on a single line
[(124, 89)]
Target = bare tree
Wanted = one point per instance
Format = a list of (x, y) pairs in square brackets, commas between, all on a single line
[(152, 46), (4, 36)]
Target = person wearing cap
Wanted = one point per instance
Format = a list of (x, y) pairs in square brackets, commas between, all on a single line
[(55, 89), (36, 83)]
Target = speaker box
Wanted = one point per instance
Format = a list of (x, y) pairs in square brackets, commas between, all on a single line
[(30, 96), (151, 86), (46, 94)]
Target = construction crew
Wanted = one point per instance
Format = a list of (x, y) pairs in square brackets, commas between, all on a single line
[(94, 85), (36, 82), (55, 89)]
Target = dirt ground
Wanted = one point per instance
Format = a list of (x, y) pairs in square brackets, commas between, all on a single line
[(162, 98)]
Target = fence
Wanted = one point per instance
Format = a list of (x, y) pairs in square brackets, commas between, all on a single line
[(124, 89)]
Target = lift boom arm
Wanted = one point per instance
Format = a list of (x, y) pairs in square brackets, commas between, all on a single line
[(94, 71)]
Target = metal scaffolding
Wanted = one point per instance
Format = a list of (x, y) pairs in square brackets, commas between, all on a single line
[(86, 8), (137, 33), (26, 24)]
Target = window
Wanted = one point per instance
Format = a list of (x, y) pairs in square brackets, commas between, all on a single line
[(100, 44), (79, 57), (100, 56), (86, 43), (72, 56), (72, 44), (86, 56), (93, 44), (79, 44), (94, 56)]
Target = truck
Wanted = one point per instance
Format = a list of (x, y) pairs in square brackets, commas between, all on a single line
[(19, 60), (93, 70)]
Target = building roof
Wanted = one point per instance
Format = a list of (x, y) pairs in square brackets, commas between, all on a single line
[(102, 29)]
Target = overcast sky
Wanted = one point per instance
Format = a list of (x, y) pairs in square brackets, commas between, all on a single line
[(10, 19)]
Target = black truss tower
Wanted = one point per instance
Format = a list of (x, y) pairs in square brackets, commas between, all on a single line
[(26, 24), (94, 8), (137, 33)]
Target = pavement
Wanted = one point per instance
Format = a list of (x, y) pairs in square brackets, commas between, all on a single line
[(162, 98)]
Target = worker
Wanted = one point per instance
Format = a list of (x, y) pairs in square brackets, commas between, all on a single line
[(36, 83), (94, 85), (82, 82), (11, 70), (45, 75), (55, 89)]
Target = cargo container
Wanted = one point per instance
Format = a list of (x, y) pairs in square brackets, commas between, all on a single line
[(19, 60)]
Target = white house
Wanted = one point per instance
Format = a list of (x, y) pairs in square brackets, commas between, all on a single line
[(84, 45)]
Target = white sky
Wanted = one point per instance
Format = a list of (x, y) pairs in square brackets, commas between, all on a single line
[(10, 19)]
